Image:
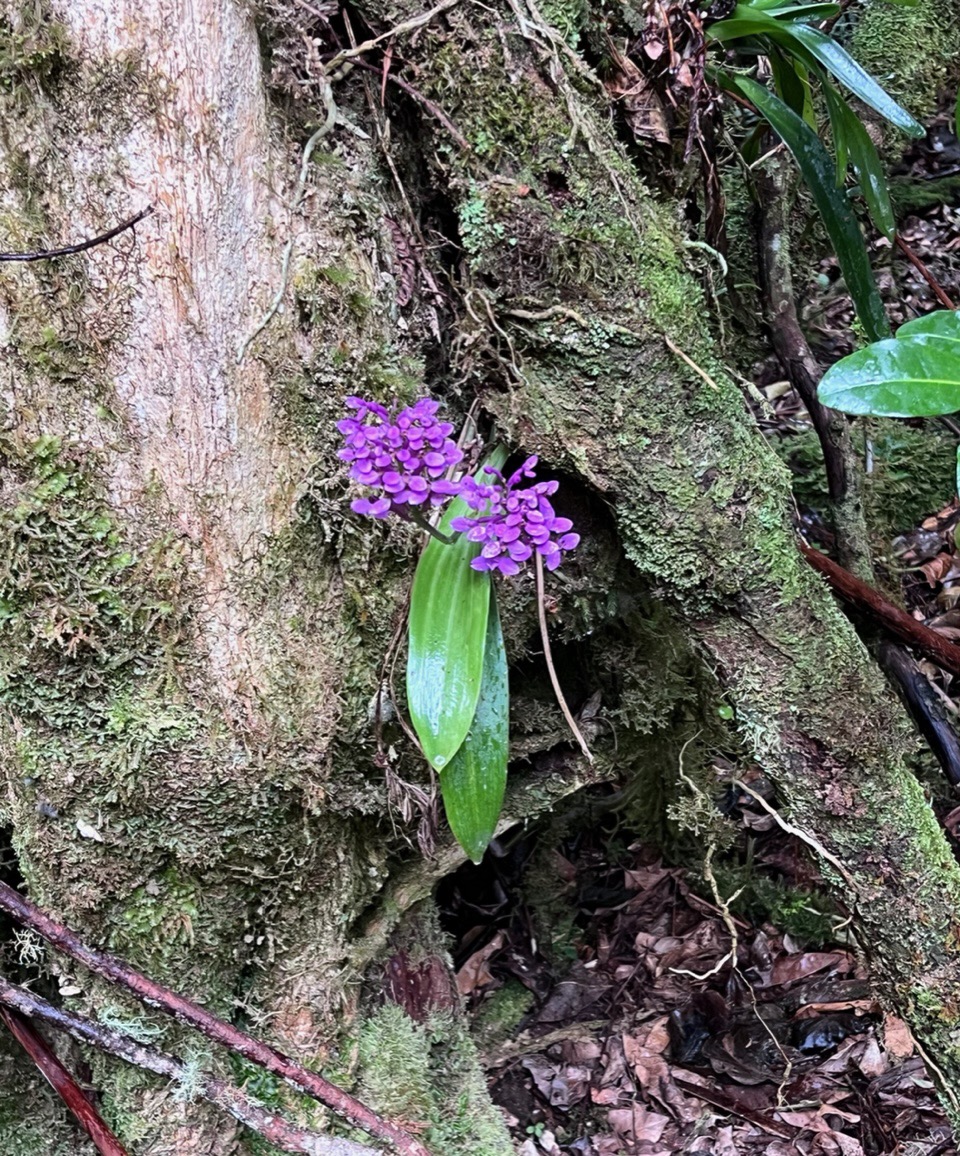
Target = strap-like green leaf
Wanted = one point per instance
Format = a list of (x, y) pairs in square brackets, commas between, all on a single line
[(449, 606), (473, 782), (792, 83), (838, 217), (915, 374), (852, 141), (839, 62)]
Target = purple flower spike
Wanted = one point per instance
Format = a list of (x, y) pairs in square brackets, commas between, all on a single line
[(403, 455), (512, 523)]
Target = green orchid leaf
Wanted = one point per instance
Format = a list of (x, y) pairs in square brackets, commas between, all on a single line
[(915, 374), (818, 11), (743, 21), (853, 144), (842, 65), (820, 175), (473, 782), (449, 607), (792, 83)]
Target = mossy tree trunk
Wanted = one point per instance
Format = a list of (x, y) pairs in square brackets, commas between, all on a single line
[(193, 627)]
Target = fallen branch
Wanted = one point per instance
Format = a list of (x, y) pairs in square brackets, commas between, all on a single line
[(924, 273), (279, 1132), (186, 1012), (895, 621), (61, 1081), (82, 246)]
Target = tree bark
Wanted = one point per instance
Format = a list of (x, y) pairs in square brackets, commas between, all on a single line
[(193, 625)]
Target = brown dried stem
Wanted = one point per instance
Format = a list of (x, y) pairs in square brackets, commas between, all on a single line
[(60, 1080), (548, 656), (925, 273), (279, 1132), (186, 1012)]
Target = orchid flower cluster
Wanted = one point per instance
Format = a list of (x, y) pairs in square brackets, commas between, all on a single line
[(406, 455)]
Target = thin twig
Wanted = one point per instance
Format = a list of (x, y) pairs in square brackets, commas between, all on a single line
[(279, 1132), (82, 246), (433, 109), (692, 364), (186, 1012), (400, 29), (62, 1082), (805, 836), (331, 110), (548, 656), (924, 272)]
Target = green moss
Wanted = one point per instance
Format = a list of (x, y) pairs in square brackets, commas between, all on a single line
[(499, 1015), (429, 1075), (911, 51)]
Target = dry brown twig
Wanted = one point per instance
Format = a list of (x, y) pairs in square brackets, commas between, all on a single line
[(186, 1012), (19, 1001)]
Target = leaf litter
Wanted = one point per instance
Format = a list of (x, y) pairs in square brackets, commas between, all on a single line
[(644, 1041)]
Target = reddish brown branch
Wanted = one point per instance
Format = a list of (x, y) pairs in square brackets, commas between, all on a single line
[(283, 1135), (62, 1082), (186, 1012), (895, 621), (924, 273), (82, 246)]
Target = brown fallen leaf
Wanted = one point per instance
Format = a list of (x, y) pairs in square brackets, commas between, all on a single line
[(637, 1123), (475, 974), (897, 1037)]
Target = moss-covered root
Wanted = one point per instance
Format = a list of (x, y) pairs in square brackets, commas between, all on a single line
[(580, 267)]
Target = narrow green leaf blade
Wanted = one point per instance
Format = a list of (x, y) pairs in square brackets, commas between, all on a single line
[(822, 10), (473, 783), (850, 134), (839, 62), (449, 607), (838, 217), (913, 376), (792, 83), (838, 128)]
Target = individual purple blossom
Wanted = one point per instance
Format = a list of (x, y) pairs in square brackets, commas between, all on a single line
[(404, 455), (512, 523)]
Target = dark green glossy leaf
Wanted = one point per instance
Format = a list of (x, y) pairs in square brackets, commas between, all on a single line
[(792, 83), (915, 374), (838, 216), (449, 606), (743, 21), (838, 128), (842, 65), (853, 143), (818, 11), (473, 782), (944, 324)]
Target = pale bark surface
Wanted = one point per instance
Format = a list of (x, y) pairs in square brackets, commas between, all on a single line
[(195, 627)]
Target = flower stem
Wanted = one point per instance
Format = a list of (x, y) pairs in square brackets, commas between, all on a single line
[(419, 520), (561, 701)]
